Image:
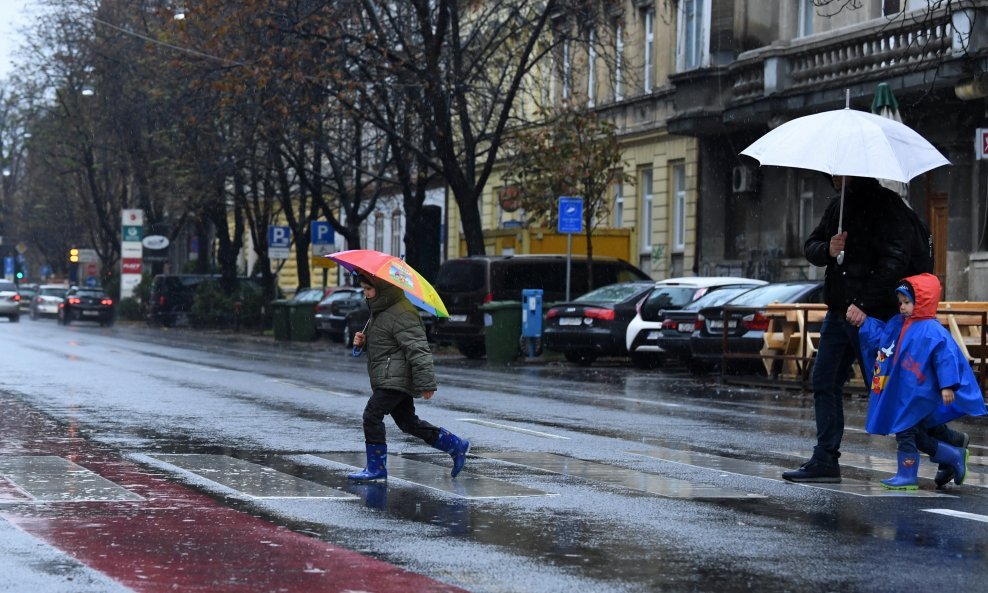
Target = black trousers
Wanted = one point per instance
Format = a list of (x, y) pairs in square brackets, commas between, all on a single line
[(401, 407)]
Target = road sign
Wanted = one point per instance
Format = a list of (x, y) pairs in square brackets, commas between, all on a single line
[(279, 241), (981, 143), (323, 237), (570, 214)]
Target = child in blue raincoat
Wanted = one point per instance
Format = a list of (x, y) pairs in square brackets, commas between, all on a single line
[(919, 382)]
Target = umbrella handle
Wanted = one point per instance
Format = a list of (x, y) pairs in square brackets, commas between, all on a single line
[(358, 350), (840, 220)]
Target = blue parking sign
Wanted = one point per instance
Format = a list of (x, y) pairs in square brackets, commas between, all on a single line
[(570, 214), (279, 236), (322, 233)]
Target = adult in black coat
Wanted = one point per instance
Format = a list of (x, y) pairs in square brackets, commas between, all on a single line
[(876, 237)]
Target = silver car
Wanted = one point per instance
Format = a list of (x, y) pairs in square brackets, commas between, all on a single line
[(46, 303), (10, 301)]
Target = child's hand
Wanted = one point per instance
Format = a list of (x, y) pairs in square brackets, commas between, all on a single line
[(948, 396)]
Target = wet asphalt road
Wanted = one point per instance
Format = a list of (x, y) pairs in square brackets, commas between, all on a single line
[(625, 521)]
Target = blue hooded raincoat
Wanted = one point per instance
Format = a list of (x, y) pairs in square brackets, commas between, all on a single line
[(914, 358)]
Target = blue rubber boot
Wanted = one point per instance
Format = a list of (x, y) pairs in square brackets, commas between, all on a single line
[(906, 478), (455, 446), (955, 457), (377, 459), (945, 473)]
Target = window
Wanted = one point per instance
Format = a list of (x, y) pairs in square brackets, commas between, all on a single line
[(646, 212), (679, 207), (806, 218), (693, 39), (396, 243), (806, 11), (649, 48), (379, 231), (618, 204), (591, 67), (618, 59)]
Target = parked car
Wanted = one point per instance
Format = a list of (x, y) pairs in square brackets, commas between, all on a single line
[(27, 292), (594, 324), (331, 312), (10, 301), (46, 302), (86, 304), (679, 325), (671, 294), (745, 326), (464, 284)]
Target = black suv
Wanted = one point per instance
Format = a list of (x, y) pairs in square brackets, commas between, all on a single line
[(464, 284), (86, 304)]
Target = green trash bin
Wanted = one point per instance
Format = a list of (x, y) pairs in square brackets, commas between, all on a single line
[(502, 330), (279, 320), (302, 321)]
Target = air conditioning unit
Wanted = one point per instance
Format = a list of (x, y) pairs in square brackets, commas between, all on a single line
[(743, 179)]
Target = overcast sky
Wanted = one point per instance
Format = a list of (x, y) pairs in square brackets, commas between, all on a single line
[(14, 14)]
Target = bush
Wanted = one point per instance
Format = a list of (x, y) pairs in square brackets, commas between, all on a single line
[(129, 309), (212, 307)]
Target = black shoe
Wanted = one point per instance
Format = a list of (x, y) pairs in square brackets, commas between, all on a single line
[(815, 471), (945, 473)]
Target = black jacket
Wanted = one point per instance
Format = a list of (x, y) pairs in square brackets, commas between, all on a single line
[(876, 255)]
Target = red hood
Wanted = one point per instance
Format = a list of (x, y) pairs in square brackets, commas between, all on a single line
[(926, 287)]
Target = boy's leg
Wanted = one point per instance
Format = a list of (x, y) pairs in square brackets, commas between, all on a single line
[(408, 421), (945, 434), (906, 477), (381, 403)]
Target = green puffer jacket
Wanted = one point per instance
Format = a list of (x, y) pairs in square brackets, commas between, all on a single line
[(398, 355)]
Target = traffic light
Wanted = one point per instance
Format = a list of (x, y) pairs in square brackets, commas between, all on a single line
[(73, 255), (18, 269)]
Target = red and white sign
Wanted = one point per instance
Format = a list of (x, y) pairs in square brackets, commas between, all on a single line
[(91, 269), (981, 143), (131, 266)]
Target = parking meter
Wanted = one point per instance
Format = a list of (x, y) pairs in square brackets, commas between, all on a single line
[(531, 317)]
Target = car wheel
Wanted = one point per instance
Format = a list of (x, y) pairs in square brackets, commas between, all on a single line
[(581, 358), (472, 349), (15, 318), (646, 361)]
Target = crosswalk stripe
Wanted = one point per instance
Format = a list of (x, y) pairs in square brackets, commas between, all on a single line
[(744, 467), (436, 477), (618, 476), (960, 514), (545, 435), (885, 464), (251, 479), (48, 478)]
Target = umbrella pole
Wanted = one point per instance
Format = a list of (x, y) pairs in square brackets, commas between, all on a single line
[(358, 351), (840, 219)]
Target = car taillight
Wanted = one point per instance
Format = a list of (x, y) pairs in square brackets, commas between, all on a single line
[(605, 314), (701, 322), (755, 321), (489, 297), (74, 301), (552, 313), (106, 302), (16, 297), (669, 324)]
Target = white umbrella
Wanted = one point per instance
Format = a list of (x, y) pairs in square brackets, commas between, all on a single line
[(848, 143)]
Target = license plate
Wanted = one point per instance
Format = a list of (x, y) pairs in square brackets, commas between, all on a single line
[(720, 324), (90, 313), (652, 336), (458, 318), (570, 320), (687, 327)]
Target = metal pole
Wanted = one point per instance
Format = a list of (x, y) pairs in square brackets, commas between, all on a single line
[(569, 260)]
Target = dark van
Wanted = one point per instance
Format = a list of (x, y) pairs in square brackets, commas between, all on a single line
[(171, 297), (464, 284)]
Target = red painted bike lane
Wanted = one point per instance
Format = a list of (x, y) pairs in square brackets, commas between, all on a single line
[(178, 539)]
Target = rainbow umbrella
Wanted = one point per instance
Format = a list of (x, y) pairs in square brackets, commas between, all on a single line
[(395, 271)]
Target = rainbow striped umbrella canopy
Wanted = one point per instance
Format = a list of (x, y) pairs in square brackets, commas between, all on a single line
[(395, 271)]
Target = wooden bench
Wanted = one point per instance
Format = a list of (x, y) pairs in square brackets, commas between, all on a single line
[(966, 321)]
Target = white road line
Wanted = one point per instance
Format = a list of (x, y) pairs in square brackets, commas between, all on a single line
[(960, 514), (536, 433), (311, 388)]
